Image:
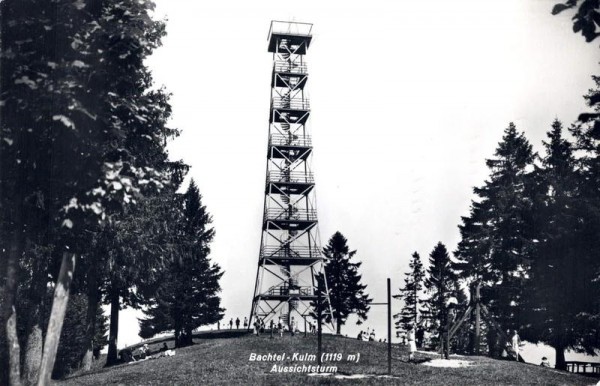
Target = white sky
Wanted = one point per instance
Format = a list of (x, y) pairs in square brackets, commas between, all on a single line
[(408, 99)]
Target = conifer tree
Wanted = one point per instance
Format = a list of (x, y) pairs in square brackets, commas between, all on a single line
[(346, 293), (557, 291), (187, 295), (496, 237), (587, 141), (441, 287), (587, 144), (413, 284)]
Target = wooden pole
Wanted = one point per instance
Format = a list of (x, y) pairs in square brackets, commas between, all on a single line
[(389, 326), (477, 319), (57, 316), (319, 347)]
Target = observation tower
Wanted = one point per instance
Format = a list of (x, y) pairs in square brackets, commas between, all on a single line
[(290, 258)]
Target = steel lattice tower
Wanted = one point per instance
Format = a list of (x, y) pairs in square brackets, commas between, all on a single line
[(290, 252)]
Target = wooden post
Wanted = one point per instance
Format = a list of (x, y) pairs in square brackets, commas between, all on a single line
[(57, 316), (389, 307), (319, 347), (304, 327), (477, 319)]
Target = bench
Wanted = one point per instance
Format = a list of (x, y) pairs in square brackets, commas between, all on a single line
[(576, 366)]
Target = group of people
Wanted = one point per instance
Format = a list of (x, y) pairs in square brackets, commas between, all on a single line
[(143, 353), (280, 326), (368, 335), (513, 344), (237, 323)]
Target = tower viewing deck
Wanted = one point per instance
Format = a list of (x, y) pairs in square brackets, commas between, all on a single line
[(297, 36)]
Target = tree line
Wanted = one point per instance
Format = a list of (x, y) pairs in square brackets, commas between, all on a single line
[(89, 202), (529, 242)]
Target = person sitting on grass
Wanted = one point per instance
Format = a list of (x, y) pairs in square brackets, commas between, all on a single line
[(126, 355), (545, 362), (144, 351)]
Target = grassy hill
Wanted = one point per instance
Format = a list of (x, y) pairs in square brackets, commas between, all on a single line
[(226, 361)]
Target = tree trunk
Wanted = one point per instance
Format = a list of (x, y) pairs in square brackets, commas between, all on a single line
[(338, 327), (560, 358), (92, 309), (14, 350), (112, 357), (476, 343), (9, 310), (33, 354), (57, 316), (35, 339), (177, 335)]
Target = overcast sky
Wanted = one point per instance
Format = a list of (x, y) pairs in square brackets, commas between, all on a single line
[(408, 99)]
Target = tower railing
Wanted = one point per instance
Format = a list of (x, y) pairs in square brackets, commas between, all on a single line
[(290, 67), (300, 177), (291, 214), (290, 103), (290, 140), (285, 290), (290, 28), (290, 252)]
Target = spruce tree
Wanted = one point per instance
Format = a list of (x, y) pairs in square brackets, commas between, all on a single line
[(496, 238), (441, 284), (346, 292), (413, 284), (187, 295), (557, 291), (587, 141)]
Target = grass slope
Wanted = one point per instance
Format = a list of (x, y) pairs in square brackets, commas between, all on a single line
[(225, 361)]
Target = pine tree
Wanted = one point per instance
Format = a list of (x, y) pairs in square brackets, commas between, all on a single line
[(187, 296), (346, 293), (496, 238), (413, 284), (441, 284)]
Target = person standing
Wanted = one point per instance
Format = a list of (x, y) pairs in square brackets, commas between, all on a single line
[(516, 343), (420, 334), (237, 323), (412, 346), (245, 321), (231, 324)]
